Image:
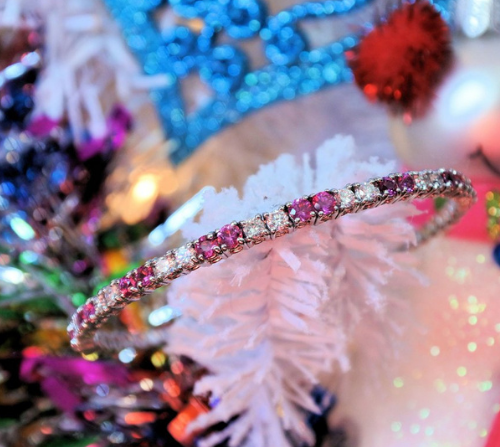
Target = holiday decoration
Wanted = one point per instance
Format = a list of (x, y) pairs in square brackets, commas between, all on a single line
[(20, 62), (95, 97), (265, 325), (291, 69), (50, 211), (444, 389), (95, 397), (47, 191), (403, 59), (463, 115), (494, 436)]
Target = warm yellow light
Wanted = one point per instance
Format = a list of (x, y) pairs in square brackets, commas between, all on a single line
[(146, 384), (92, 357), (158, 359), (146, 188)]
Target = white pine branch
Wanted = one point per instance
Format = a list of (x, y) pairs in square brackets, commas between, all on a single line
[(87, 67), (268, 322)]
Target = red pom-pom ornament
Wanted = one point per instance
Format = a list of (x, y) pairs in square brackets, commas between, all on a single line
[(404, 58)]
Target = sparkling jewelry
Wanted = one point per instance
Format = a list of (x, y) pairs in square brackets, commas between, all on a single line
[(232, 238)]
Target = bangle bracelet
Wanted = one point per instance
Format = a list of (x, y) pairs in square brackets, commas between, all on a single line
[(232, 238), (120, 339)]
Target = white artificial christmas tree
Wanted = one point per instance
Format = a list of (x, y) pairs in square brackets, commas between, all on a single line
[(269, 322)]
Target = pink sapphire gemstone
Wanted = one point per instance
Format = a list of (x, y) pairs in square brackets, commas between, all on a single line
[(228, 235), (125, 285), (206, 247), (406, 183), (88, 311), (145, 275), (389, 185), (301, 209), (324, 201)]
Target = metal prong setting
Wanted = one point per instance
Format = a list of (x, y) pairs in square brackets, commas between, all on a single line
[(305, 211)]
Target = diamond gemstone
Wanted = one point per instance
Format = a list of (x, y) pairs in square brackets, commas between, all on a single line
[(278, 221), (165, 266), (347, 198), (101, 302), (434, 179), (254, 228), (421, 181), (184, 256), (111, 292), (367, 191)]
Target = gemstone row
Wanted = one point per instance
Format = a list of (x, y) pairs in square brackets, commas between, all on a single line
[(231, 238)]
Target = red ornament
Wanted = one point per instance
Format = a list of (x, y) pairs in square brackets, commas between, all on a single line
[(404, 58), (494, 437)]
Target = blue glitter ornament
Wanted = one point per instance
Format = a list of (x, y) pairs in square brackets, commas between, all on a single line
[(244, 18), (180, 50), (224, 69), (16, 100), (47, 194), (293, 69)]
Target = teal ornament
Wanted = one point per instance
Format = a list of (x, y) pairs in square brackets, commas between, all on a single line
[(293, 68)]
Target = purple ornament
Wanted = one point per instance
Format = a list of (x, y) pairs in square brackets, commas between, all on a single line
[(41, 126), (118, 124)]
